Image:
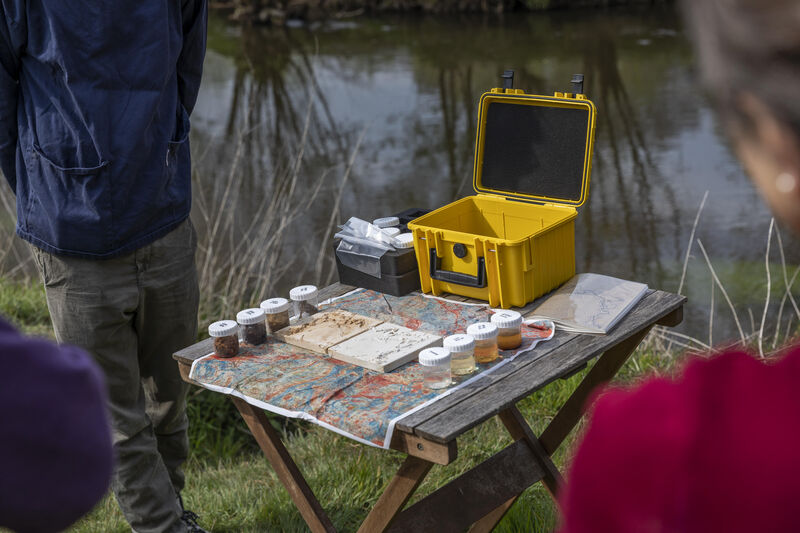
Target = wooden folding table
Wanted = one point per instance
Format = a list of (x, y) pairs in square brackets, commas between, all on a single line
[(429, 436)]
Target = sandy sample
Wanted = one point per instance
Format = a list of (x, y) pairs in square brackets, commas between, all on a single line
[(384, 348), (323, 330)]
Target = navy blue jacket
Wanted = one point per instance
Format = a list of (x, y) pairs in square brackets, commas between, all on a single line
[(95, 98)]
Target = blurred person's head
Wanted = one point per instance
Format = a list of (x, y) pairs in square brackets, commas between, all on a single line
[(749, 58)]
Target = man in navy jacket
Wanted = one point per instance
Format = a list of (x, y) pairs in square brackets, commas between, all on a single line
[(95, 99)]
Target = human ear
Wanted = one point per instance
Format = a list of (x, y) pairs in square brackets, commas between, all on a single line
[(770, 151)]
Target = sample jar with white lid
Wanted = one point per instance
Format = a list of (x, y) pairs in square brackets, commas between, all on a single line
[(305, 300), (435, 363), (485, 335), (386, 222), (391, 232), (226, 338), (461, 348), (277, 311), (508, 325), (254, 329)]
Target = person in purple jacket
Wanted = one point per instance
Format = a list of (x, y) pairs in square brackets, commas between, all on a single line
[(55, 440)]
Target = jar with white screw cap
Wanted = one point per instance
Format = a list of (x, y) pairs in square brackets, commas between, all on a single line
[(462, 349), (277, 311), (435, 363), (509, 325), (485, 335), (226, 338), (305, 300), (254, 329)]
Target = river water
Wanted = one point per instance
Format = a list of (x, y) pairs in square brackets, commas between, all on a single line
[(299, 128)]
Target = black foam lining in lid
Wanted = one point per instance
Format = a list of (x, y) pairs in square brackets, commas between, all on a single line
[(535, 150)]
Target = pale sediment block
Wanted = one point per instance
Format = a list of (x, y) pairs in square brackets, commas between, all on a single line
[(384, 347), (322, 330)]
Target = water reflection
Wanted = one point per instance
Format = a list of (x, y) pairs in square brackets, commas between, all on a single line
[(297, 129)]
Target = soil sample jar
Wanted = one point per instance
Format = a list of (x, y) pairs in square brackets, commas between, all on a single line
[(254, 329), (391, 232), (485, 335), (435, 363), (305, 300), (226, 338), (277, 311), (461, 348), (508, 329)]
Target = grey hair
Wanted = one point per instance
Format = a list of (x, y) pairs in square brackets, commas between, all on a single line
[(749, 46)]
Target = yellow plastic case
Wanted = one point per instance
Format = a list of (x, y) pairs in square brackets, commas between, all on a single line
[(515, 240)]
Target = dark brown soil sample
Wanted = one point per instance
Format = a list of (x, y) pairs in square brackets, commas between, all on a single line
[(226, 346)]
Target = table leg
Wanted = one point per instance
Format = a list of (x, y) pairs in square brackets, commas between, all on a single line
[(606, 368), (520, 430), (291, 477), (567, 417), (396, 495), (490, 521)]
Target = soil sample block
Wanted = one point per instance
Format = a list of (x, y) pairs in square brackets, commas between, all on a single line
[(384, 348), (321, 331)]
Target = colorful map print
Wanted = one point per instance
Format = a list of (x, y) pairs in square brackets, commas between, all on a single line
[(358, 403)]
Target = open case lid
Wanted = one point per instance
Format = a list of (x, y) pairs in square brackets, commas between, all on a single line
[(536, 148)]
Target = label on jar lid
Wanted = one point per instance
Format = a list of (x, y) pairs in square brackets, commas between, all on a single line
[(303, 293), (506, 319), (482, 331), (434, 356), (459, 343), (275, 305), (250, 316), (223, 328)]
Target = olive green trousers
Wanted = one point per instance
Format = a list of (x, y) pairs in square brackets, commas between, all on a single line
[(132, 313)]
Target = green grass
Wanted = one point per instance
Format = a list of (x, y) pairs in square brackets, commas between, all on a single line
[(234, 489), (23, 304)]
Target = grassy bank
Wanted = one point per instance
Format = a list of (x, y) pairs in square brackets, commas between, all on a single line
[(234, 489)]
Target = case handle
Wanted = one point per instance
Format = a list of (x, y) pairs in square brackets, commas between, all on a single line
[(478, 281)]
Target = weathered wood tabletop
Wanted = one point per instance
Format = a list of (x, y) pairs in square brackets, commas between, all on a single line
[(430, 435)]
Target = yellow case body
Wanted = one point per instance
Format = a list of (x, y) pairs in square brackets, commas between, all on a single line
[(524, 242)]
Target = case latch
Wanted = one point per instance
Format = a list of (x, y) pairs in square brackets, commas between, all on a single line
[(577, 89), (508, 79), (577, 84)]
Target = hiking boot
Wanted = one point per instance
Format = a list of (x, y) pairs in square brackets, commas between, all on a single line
[(190, 519)]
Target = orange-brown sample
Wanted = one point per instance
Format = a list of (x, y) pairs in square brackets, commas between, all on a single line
[(485, 350), (510, 340)]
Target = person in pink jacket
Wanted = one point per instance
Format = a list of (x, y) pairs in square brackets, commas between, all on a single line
[(718, 447)]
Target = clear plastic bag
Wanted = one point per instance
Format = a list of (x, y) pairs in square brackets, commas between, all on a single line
[(362, 246)]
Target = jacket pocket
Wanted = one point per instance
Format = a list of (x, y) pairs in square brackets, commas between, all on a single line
[(180, 137), (179, 173), (69, 207)]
